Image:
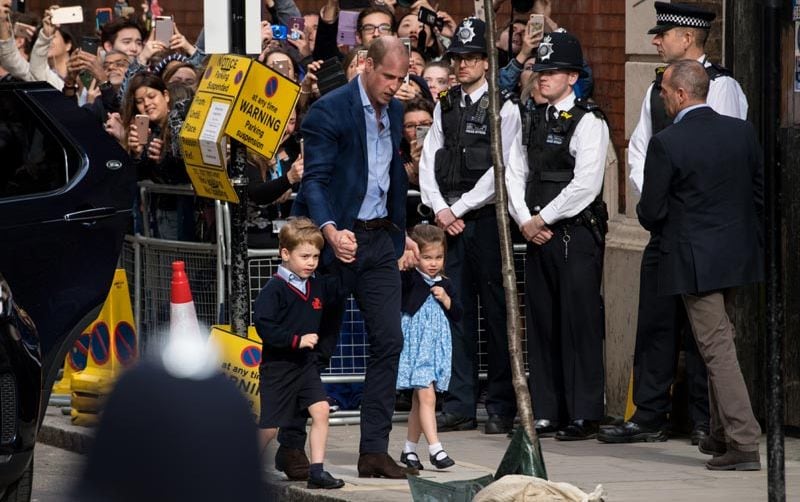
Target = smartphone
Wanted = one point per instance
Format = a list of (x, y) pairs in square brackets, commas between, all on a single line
[(102, 16), (480, 11), (361, 58), (279, 32), (296, 27), (68, 15), (407, 42), (429, 17), (422, 131), (346, 32), (536, 24), (281, 66), (90, 45), (142, 123), (164, 29), (302, 149)]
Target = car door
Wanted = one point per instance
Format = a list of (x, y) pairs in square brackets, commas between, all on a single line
[(66, 195)]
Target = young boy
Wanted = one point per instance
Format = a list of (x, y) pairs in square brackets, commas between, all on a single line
[(287, 316)]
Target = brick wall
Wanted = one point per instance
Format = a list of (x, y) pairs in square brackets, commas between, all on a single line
[(600, 26)]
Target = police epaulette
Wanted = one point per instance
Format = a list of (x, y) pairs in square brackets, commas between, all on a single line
[(717, 70), (506, 95), (590, 106)]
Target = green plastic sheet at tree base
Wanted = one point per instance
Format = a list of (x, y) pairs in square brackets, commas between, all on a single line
[(522, 457), (425, 490)]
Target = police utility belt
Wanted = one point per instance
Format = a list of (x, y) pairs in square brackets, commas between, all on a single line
[(594, 217)]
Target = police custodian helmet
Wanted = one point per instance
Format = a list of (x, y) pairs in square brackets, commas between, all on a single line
[(470, 37), (559, 51)]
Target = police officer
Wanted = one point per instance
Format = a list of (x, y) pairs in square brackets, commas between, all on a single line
[(554, 179), (680, 33), (457, 181)]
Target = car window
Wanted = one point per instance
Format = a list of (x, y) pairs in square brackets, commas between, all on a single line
[(33, 160)]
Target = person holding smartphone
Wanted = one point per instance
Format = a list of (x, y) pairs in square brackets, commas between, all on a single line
[(456, 176), (154, 156)]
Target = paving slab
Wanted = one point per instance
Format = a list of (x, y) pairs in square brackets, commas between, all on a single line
[(668, 471)]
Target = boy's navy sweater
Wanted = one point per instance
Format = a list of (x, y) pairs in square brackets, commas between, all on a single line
[(282, 314)]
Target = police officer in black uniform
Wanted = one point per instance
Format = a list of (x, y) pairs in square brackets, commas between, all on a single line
[(555, 179), (662, 327), (457, 182)]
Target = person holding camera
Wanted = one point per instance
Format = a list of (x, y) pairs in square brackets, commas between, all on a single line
[(457, 181), (554, 180)]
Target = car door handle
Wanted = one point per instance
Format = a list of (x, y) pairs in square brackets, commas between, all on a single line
[(91, 214)]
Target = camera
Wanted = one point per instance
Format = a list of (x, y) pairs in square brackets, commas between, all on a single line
[(427, 16), (279, 32)]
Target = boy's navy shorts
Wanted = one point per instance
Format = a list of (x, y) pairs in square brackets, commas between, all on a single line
[(286, 388)]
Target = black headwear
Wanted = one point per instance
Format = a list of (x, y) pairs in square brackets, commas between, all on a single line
[(672, 15)]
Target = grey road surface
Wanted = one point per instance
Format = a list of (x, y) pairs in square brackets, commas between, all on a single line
[(54, 472)]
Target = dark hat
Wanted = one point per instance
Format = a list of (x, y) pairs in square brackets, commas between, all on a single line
[(559, 51), (672, 15), (470, 37)]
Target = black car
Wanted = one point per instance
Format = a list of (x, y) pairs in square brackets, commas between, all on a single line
[(66, 195)]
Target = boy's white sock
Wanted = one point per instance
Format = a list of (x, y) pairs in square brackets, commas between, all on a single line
[(436, 449), (410, 447)]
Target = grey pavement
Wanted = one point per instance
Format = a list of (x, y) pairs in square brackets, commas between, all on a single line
[(669, 471)]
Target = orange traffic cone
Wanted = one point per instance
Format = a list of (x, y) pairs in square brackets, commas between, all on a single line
[(187, 353)]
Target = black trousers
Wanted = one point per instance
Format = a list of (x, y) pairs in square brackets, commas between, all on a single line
[(473, 265), (661, 330), (374, 281), (565, 324)]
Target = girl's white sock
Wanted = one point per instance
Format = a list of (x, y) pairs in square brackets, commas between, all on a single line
[(410, 447), (436, 449)]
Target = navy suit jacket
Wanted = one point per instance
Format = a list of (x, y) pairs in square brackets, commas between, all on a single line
[(335, 166), (703, 195)]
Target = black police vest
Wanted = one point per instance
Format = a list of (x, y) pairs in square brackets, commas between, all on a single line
[(658, 113), (466, 153), (551, 166)]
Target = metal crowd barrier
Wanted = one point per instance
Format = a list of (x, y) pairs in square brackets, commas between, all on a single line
[(148, 262)]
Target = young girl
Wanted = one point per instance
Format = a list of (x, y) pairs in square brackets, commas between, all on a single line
[(428, 304)]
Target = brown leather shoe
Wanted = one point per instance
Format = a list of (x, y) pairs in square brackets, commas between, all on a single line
[(710, 445), (292, 462), (735, 460), (381, 465)]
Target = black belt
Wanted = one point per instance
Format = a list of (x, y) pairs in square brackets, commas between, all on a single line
[(375, 224)]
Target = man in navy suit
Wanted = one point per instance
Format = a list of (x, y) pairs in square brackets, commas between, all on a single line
[(354, 187), (703, 195)]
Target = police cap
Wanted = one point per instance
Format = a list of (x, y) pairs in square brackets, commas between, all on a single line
[(673, 15)]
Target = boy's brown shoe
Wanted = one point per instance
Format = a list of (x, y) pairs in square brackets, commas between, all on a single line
[(735, 460), (292, 462)]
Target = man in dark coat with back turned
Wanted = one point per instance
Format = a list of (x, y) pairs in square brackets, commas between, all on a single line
[(703, 193)]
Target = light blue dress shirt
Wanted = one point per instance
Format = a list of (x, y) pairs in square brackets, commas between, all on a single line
[(292, 278), (379, 159), (686, 110)]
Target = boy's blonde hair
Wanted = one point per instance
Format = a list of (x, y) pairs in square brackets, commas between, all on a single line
[(299, 231)]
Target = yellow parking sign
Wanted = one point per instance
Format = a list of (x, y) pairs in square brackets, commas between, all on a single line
[(263, 107), (240, 98)]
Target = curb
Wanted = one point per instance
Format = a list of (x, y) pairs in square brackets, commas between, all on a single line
[(55, 432)]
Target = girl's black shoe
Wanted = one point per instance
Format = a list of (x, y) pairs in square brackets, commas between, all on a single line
[(442, 463), (411, 460)]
